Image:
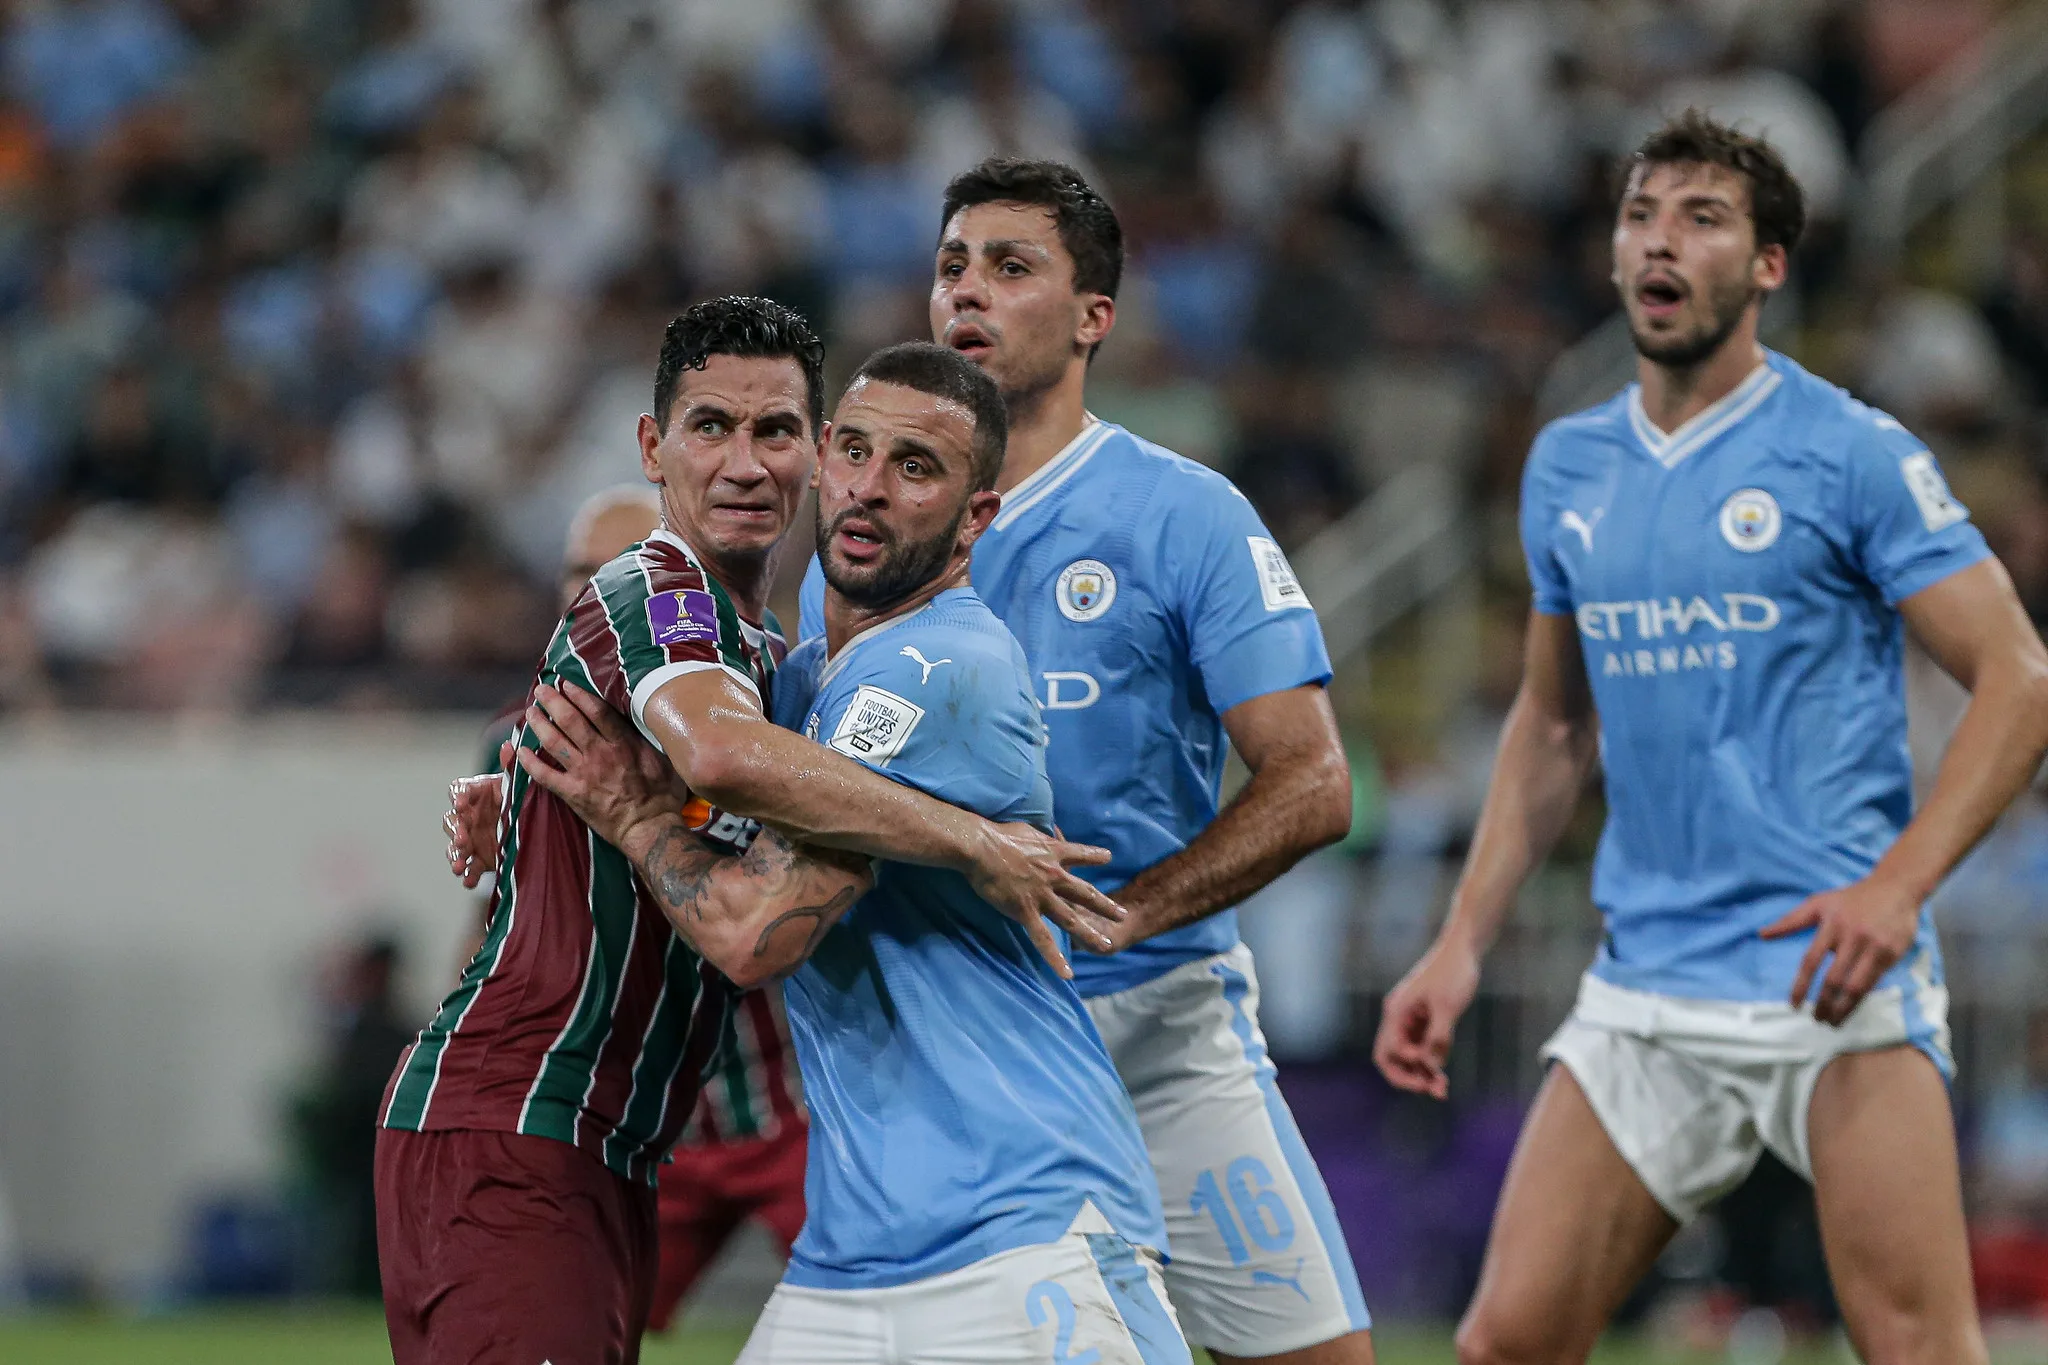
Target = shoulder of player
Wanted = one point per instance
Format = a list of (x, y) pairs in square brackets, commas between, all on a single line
[(1838, 426), (804, 659), (1173, 484), (939, 654), (650, 567), (1576, 433)]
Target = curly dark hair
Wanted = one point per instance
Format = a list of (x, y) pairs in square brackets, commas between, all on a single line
[(1777, 206), (744, 326), (1088, 226), (943, 372)]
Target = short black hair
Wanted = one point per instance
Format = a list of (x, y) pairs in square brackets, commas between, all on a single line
[(738, 325), (943, 372), (1088, 226), (1777, 205)]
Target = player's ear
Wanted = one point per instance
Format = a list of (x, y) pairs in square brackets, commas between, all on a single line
[(1770, 267), (1098, 316), (650, 441), (981, 510), (818, 462)]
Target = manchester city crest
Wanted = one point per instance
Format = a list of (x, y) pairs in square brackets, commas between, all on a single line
[(1750, 520), (1085, 590)]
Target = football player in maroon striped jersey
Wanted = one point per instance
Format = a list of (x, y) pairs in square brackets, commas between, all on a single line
[(521, 1132)]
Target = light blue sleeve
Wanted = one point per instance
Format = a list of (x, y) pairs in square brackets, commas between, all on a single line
[(1906, 531), (1549, 592), (943, 711), (795, 684), (810, 601), (1250, 628)]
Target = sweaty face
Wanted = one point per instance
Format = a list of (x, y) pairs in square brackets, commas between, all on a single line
[(892, 491), (1686, 260), (736, 455), (1003, 296)]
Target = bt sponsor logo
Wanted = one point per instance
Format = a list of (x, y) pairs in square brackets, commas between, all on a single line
[(1650, 619)]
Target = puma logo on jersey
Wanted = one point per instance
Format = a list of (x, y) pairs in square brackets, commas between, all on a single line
[(1572, 521), (926, 664)]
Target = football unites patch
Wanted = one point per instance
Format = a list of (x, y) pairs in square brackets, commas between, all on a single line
[(683, 617), (876, 726), (1086, 589), (1938, 507), (1278, 587), (1750, 520)]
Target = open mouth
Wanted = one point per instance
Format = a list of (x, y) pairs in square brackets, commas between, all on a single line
[(858, 539), (1660, 295), (970, 341)]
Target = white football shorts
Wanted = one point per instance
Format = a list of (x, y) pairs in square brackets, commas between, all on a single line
[(1256, 1264), (1088, 1296), (1691, 1092)]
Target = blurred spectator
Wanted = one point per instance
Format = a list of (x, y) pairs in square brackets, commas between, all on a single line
[(337, 1119), (2010, 1248)]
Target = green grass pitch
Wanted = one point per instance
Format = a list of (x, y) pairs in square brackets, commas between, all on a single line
[(356, 1337)]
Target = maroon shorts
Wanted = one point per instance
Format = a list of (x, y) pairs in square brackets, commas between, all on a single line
[(500, 1248), (709, 1190)]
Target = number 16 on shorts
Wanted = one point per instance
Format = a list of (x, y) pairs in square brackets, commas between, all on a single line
[(1254, 1210)]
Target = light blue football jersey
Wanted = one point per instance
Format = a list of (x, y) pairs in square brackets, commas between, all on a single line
[(962, 1103), (1150, 599), (1735, 585)]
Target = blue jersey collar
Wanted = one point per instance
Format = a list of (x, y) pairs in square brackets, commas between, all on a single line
[(1718, 417), (837, 660), (1040, 483)]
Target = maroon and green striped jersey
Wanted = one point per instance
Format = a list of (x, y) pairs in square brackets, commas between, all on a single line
[(756, 1092), (583, 1016)]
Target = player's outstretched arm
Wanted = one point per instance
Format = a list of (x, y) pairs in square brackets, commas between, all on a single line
[(1973, 625), (1547, 748), (727, 752), (1298, 800), (755, 915)]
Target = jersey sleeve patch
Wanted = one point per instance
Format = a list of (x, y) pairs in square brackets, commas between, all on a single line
[(1278, 586), (683, 617), (1938, 507), (876, 725)]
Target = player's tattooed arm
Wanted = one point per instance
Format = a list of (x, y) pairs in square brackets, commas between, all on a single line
[(1298, 800), (757, 915)]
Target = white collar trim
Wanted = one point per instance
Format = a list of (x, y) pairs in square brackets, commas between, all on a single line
[(1039, 484), (1705, 425), (837, 658)]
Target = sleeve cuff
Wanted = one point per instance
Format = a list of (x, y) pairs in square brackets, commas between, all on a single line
[(668, 673), (1923, 576)]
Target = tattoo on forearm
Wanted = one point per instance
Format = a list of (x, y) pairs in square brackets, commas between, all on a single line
[(822, 918), (678, 870)]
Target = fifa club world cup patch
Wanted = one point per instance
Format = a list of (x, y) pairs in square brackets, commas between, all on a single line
[(1938, 507), (1086, 590), (876, 726), (1750, 520), (682, 618), (1277, 584)]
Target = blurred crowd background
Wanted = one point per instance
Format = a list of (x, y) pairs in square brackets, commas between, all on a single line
[(319, 317)]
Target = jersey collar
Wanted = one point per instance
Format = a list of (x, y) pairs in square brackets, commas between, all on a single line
[(1039, 484), (1704, 426), (837, 659)]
